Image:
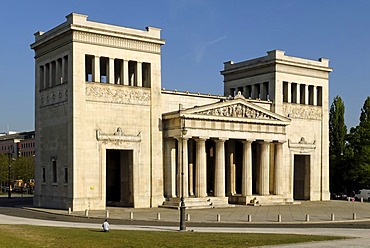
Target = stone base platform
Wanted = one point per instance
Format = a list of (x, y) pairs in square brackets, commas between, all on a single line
[(198, 203), (258, 200)]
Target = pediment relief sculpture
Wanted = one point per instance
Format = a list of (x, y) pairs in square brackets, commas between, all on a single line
[(237, 110)]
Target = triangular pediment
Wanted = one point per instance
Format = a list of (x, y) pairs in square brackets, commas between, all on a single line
[(237, 108)]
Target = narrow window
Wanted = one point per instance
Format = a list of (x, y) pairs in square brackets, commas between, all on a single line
[(54, 168), (293, 93), (118, 72), (65, 175), (240, 89), (232, 91), (42, 78), (146, 74), (65, 72), (59, 79), (104, 68), (285, 91), (310, 94), (302, 91), (47, 75), (248, 91), (89, 68), (43, 175), (319, 96), (53, 73), (265, 90)]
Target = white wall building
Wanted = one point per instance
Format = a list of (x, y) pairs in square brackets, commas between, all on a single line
[(106, 134)]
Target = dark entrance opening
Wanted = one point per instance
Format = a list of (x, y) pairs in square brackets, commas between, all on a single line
[(301, 187), (119, 178), (238, 166)]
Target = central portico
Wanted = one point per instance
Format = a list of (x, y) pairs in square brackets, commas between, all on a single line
[(232, 152)]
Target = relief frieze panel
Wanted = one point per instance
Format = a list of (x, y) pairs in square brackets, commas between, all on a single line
[(239, 111), (117, 94), (302, 111), (55, 95)]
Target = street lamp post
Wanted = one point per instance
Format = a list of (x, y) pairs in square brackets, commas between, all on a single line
[(182, 204)]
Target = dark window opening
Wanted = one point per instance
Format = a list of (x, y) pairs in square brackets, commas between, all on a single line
[(89, 59), (132, 78), (146, 75), (104, 68), (118, 72)]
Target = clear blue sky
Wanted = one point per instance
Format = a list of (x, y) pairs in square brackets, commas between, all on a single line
[(200, 35)]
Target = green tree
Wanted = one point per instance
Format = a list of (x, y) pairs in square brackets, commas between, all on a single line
[(359, 141), (337, 139), (23, 168)]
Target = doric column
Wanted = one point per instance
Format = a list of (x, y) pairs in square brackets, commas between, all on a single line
[(220, 168), (191, 168), (170, 168), (314, 94), (111, 71), (96, 69), (298, 93), (231, 189), (125, 72), (183, 163), (139, 74), (278, 158), (201, 169), (247, 168), (265, 168)]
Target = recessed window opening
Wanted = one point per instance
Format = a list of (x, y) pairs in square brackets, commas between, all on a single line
[(310, 94), (285, 91), (89, 68), (146, 74), (302, 92), (104, 68), (118, 72)]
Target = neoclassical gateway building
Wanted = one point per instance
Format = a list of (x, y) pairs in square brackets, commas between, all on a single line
[(108, 134)]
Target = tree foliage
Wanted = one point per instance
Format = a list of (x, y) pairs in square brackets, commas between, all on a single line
[(359, 144), (337, 136)]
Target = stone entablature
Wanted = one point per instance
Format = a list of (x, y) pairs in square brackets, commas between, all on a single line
[(117, 42), (108, 93), (300, 111), (56, 95)]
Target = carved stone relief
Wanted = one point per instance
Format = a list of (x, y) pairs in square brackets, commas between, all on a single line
[(117, 94), (302, 111), (237, 110), (55, 95), (117, 137)]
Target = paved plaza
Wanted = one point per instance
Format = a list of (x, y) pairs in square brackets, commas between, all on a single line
[(325, 218)]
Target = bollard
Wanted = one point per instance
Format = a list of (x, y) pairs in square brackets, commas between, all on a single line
[(362, 199), (218, 217), (307, 217), (106, 214), (86, 212), (354, 216), (158, 216), (332, 217), (131, 215), (249, 218), (279, 218), (69, 210), (187, 217)]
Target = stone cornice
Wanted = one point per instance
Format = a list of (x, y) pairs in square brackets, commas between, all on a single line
[(118, 42), (118, 136)]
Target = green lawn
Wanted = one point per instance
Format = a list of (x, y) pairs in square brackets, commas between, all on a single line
[(36, 236)]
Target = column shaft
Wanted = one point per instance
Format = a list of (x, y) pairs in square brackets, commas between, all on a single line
[(191, 168), (139, 74), (220, 168), (170, 168), (201, 169), (278, 182), (96, 68), (265, 168), (111, 71), (183, 162), (247, 169), (125, 76), (289, 92)]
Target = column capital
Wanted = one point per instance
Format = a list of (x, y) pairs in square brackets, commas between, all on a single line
[(248, 141), (201, 138), (220, 139), (179, 138), (264, 141), (279, 141)]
